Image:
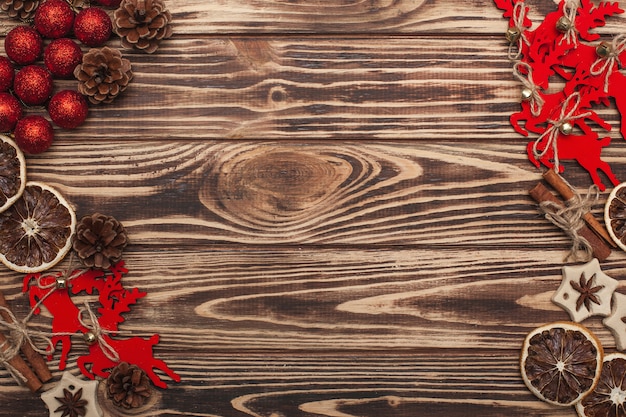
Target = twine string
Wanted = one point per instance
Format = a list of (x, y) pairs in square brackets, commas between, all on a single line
[(7, 352), (570, 220), (519, 15), (21, 334), (604, 65), (99, 332), (552, 132), (536, 102), (570, 9)]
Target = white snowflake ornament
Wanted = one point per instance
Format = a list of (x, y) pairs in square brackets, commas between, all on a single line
[(615, 322), (72, 396), (585, 291)]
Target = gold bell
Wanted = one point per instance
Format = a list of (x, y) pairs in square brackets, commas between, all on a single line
[(603, 49), (90, 338), (61, 283), (563, 24), (527, 93), (513, 34), (566, 128)]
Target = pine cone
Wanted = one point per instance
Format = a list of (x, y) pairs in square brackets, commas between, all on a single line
[(20, 9), (99, 240), (103, 74), (128, 386), (142, 24)]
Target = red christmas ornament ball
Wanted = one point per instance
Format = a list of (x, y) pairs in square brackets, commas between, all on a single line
[(61, 56), (33, 85), (10, 112), (108, 3), (7, 73), (68, 109), (33, 134), (23, 45), (93, 26), (54, 19)]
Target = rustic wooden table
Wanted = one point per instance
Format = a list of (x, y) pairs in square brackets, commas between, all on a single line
[(328, 209)]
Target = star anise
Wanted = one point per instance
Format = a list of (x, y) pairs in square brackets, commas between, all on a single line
[(71, 404), (587, 292)]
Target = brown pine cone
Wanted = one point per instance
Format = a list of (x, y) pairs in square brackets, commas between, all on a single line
[(20, 9), (142, 24), (99, 240), (128, 386), (103, 74)]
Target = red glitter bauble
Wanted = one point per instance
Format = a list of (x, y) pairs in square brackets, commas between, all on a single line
[(23, 45), (68, 109), (33, 85), (7, 73), (61, 56), (93, 26), (108, 3), (54, 19), (10, 112), (33, 134)]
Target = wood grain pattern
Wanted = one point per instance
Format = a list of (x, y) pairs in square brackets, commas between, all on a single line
[(292, 89), (381, 17), (359, 193), (328, 210)]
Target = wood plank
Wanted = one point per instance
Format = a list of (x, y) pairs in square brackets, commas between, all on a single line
[(409, 88), (438, 17), (413, 88), (360, 88), (442, 383), (453, 194), (209, 300)]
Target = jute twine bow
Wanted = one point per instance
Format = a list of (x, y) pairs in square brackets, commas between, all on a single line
[(570, 220), (604, 65), (570, 9), (8, 351), (552, 132), (95, 328), (519, 15), (536, 101)]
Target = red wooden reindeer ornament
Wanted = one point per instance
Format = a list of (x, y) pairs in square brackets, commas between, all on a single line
[(54, 293), (555, 53)]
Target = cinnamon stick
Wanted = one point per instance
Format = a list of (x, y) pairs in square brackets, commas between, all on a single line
[(567, 193), (32, 382), (35, 359), (600, 249)]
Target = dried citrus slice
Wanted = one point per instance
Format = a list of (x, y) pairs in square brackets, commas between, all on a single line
[(609, 396), (561, 362), (36, 231), (12, 172), (615, 215)]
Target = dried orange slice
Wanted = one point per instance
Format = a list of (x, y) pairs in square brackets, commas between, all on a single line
[(609, 396), (615, 215), (12, 172), (561, 362), (36, 231)]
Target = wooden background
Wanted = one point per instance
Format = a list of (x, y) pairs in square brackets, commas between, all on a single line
[(328, 209)]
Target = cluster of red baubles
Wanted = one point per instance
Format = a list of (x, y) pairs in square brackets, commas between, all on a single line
[(23, 82)]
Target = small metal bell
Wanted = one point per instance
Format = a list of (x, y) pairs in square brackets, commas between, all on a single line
[(527, 94), (604, 49), (566, 128), (90, 338), (563, 24), (61, 283), (513, 34)]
